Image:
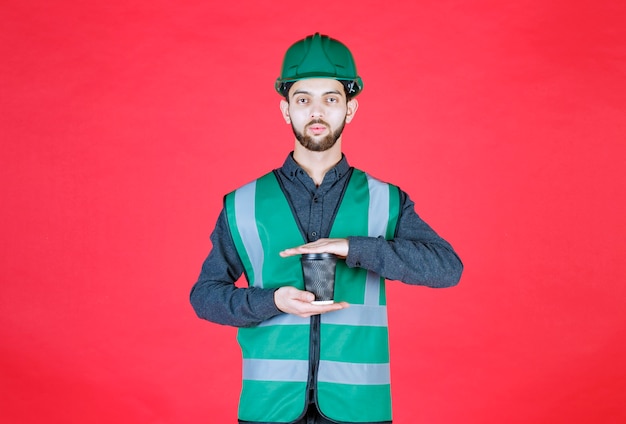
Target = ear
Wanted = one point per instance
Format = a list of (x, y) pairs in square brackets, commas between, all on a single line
[(284, 108), (352, 105)]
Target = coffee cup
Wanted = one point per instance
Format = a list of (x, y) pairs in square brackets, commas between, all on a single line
[(318, 270)]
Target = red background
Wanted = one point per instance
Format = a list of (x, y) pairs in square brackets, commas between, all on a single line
[(124, 122)]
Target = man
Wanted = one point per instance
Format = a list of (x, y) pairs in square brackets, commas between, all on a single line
[(306, 363)]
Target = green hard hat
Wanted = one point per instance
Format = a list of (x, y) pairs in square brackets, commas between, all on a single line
[(319, 56)]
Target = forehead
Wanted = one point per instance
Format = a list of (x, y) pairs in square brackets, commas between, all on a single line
[(317, 86)]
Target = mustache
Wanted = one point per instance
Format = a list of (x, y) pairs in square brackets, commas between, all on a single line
[(317, 121)]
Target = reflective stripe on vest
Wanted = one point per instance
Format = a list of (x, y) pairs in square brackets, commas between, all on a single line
[(339, 372), (245, 213), (377, 226), (353, 372)]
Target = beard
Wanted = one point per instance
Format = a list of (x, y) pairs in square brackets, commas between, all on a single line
[(323, 144)]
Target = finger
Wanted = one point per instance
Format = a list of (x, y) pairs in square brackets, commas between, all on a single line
[(322, 309), (305, 296), (287, 252), (297, 295), (305, 248), (295, 251)]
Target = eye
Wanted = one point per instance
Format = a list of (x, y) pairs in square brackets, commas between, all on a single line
[(302, 100), (332, 100)]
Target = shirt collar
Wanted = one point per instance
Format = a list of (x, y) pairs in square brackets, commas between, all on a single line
[(291, 168)]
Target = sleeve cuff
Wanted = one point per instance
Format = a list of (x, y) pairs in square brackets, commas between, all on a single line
[(361, 251)]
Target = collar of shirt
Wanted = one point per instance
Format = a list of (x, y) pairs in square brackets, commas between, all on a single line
[(291, 169)]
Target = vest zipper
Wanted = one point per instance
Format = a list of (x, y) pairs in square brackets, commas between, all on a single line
[(314, 358)]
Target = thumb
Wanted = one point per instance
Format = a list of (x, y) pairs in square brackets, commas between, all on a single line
[(305, 296)]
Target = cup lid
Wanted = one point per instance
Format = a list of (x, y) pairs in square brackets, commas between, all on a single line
[(318, 256)]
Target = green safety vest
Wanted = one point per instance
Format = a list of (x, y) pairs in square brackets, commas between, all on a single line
[(353, 381)]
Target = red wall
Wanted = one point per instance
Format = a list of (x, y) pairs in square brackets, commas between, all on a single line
[(124, 122)]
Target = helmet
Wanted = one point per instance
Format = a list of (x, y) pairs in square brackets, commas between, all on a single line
[(319, 56)]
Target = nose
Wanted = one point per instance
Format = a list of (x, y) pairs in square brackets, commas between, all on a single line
[(316, 110)]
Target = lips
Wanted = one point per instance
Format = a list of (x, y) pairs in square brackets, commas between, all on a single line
[(317, 128)]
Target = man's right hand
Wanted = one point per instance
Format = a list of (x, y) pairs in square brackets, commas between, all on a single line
[(298, 302)]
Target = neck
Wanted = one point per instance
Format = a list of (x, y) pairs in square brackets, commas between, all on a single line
[(316, 164)]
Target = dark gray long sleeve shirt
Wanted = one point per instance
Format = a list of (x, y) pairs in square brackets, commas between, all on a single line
[(416, 255)]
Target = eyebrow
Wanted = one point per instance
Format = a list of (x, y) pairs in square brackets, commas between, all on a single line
[(309, 93)]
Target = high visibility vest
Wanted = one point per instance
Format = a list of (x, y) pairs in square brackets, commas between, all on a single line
[(353, 381)]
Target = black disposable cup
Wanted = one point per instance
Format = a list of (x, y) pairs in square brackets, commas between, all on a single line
[(318, 270)]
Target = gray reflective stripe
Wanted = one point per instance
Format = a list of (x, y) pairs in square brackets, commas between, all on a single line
[(285, 319), (378, 207), (354, 374), (372, 289), (373, 316), (246, 223), (275, 370), (378, 218)]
